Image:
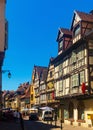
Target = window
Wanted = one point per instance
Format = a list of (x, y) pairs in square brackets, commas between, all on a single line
[(82, 77), (73, 57), (42, 87), (31, 89), (42, 97), (31, 96), (80, 53), (77, 30), (51, 74), (75, 80), (60, 70), (48, 96), (60, 86), (61, 44)]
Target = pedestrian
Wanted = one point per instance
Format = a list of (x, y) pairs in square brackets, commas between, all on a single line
[(18, 116), (21, 122), (14, 115)]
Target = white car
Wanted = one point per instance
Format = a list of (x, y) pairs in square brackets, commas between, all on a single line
[(47, 115)]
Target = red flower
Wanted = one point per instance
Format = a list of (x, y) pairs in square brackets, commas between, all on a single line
[(83, 88)]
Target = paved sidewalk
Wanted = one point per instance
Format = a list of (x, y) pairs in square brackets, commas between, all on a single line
[(66, 127), (69, 127)]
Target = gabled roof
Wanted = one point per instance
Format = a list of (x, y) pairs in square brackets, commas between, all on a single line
[(62, 32), (88, 17), (66, 31), (26, 94), (41, 71), (85, 16)]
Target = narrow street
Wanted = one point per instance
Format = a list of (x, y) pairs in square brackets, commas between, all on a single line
[(38, 125)]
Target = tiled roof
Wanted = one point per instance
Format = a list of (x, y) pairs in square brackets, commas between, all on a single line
[(66, 31), (41, 70), (85, 16), (26, 94)]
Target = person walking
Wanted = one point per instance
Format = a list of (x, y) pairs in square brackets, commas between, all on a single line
[(18, 116), (21, 122), (15, 115)]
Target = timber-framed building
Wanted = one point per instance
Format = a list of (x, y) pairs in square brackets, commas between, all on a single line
[(74, 70)]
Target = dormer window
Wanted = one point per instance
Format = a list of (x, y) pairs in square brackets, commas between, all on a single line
[(76, 30), (60, 47), (61, 44)]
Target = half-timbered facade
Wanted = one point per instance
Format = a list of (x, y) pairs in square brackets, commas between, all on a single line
[(50, 85), (40, 85), (50, 90), (74, 70), (32, 95)]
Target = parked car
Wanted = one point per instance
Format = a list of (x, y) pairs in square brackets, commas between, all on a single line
[(33, 116), (47, 115)]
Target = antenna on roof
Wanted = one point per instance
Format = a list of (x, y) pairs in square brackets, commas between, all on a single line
[(91, 12)]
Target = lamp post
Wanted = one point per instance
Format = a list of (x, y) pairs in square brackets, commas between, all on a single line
[(9, 76)]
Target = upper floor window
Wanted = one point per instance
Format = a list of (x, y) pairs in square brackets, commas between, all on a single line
[(60, 70), (31, 96), (51, 74), (31, 88), (61, 44), (73, 57), (82, 77), (75, 80), (80, 53), (77, 30), (60, 85)]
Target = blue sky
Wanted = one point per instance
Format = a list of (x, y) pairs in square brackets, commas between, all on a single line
[(33, 28)]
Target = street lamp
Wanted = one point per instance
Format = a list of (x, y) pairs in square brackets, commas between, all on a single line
[(9, 76)]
